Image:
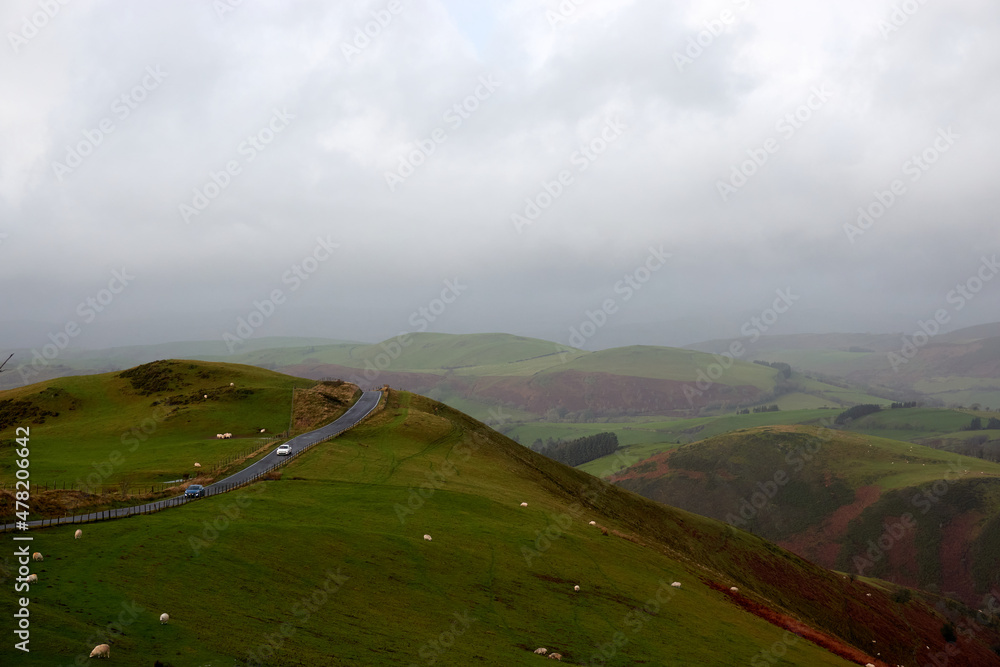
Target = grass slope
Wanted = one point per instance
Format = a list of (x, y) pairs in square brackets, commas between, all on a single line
[(330, 566), (830, 494), (107, 429)]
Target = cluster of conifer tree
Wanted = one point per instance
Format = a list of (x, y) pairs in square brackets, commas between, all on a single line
[(856, 412), (579, 451)]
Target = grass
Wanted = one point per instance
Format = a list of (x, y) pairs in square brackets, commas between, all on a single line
[(664, 363), (351, 509), (816, 476), (913, 424), (283, 544), (424, 352), (107, 429)]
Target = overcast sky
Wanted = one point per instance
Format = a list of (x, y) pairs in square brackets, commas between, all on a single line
[(395, 152)]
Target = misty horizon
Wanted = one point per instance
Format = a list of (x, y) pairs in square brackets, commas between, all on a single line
[(327, 172)]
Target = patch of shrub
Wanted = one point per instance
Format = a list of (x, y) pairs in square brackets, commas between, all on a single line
[(152, 378), (857, 412), (15, 413)]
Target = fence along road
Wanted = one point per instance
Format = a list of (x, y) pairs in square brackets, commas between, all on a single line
[(362, 408)]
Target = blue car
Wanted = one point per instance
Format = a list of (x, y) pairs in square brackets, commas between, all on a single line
[(194, 491)]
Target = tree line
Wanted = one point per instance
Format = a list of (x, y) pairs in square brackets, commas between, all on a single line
[(760, 408), (857, 412), (977, 424), (579, 451)]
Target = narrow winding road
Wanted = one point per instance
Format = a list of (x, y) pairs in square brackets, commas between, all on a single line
[(361, 409)]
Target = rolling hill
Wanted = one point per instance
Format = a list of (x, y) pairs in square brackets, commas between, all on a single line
[(149, 425), (830, 495), (960, 367), (328, 566), (539, 380)]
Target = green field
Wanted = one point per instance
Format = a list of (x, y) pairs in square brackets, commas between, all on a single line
[(664, 363), (641, 439), (827, 494), (428, 353), (107, 431), (914, 424), (335, 516)]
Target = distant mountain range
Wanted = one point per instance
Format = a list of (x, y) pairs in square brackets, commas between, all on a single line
[(479, 372)]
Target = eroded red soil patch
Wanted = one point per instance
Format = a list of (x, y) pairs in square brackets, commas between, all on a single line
[(653, 468), (821, 544), (956, 561), (828, 642)]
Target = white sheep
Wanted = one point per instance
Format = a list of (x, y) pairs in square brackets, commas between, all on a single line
[(524, 504), (197, 465), (37, 557), (164, 618), (676, 584), (557, 656), (541, 651), (577, 587), (593, 523), (427, 537), (734, 589), (231, 384), (262, 430), (32, 579), (101, 651), (206, 396), (218, 436), (78, 534)]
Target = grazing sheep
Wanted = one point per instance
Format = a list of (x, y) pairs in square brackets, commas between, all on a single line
[(32, 579), (37, 557), (206, 396), (427, 537), (78, 534), (231, 384), (262, 430), (557, 656), (524, 504), (577, 587), (218, 436), (101, 651), (593, 523), (541, 651), (734, 589), (164, 618), (197, 465), (868, 664), (676, 584)]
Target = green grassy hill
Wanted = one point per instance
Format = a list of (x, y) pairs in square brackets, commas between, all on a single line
[(81, 361), (533, 376), (328, 566), (957, 368), (426, 352), (828, 495), (148, 425)]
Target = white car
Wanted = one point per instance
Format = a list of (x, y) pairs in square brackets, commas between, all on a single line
[(284, 450)]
